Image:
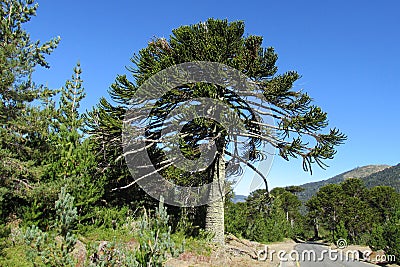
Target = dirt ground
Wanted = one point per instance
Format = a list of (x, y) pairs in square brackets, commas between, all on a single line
[(244, 253), (236, 253)]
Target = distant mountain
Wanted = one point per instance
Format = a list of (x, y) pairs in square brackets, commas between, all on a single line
[(388, 177), (371, 174), (239, 198)]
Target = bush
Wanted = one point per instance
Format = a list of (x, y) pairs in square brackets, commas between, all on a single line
[(111, 254), (54, 248), (5, 231), (110, 217), (236, 221), (270, 228), (154, 238), (153, 234), (377, 240), (341, 232)]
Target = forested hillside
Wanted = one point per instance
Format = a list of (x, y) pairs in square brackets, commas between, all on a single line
[(311, 189), (388, 177)]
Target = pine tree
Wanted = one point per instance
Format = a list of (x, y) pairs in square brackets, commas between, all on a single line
[(72, 163), (326, 207), (289, 203), (71, 95), (392, 235), (225, 43), (24, 127), (343, 209)]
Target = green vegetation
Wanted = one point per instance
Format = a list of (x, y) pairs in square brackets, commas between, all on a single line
[(59, 166), (54, 249), (389, 177), (311, 189), (360, 215), (301, 125), (346, 210), (24, 127), (263, 218)]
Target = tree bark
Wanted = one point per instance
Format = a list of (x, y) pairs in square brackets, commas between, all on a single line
[(316, 229), (215, 209)]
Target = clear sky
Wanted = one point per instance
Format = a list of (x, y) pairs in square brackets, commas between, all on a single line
[(347, 52)]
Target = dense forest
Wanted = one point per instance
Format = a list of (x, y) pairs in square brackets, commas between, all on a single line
[(389, 177), (348, 210), (372, 175), (65, 186)]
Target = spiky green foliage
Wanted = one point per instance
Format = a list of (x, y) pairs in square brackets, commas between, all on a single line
[(54, 248), (23, 126), (378, 240), (66, 213), (155, 243), (224, 42), (288, 202), (112, 254), (71, 95), (154, 237), (384, 200), (72, 163), (392, 235)]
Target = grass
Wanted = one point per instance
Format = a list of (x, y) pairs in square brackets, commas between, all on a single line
[(15, 256), (199, 246)]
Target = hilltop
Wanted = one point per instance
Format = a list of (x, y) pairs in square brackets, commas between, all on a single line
[(372, 175)]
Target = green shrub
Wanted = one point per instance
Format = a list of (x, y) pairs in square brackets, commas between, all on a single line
[(110, 217), (54, 248), (377, 240), (111, 254), (235, 218), (5, 231), (199, 245), (341, 232), (271, 228), (154, 236), (15, 256), (155, 242)]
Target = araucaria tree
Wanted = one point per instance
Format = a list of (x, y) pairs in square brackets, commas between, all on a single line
[(298, 132)]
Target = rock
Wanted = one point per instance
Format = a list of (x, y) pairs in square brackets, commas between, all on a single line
[(80, 253)]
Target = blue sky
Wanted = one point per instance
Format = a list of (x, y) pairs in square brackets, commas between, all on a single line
[(346, 51)]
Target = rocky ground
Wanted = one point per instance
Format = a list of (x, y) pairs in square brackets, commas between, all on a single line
[(236, 253), (241, 253)]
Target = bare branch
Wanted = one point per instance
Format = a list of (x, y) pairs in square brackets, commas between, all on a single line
[(141, 178), (251, 166)]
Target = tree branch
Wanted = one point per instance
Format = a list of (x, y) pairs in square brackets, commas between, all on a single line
[(251, 166)]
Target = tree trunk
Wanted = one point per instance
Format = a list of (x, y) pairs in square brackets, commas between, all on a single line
[(215, 209), (316, 229)]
